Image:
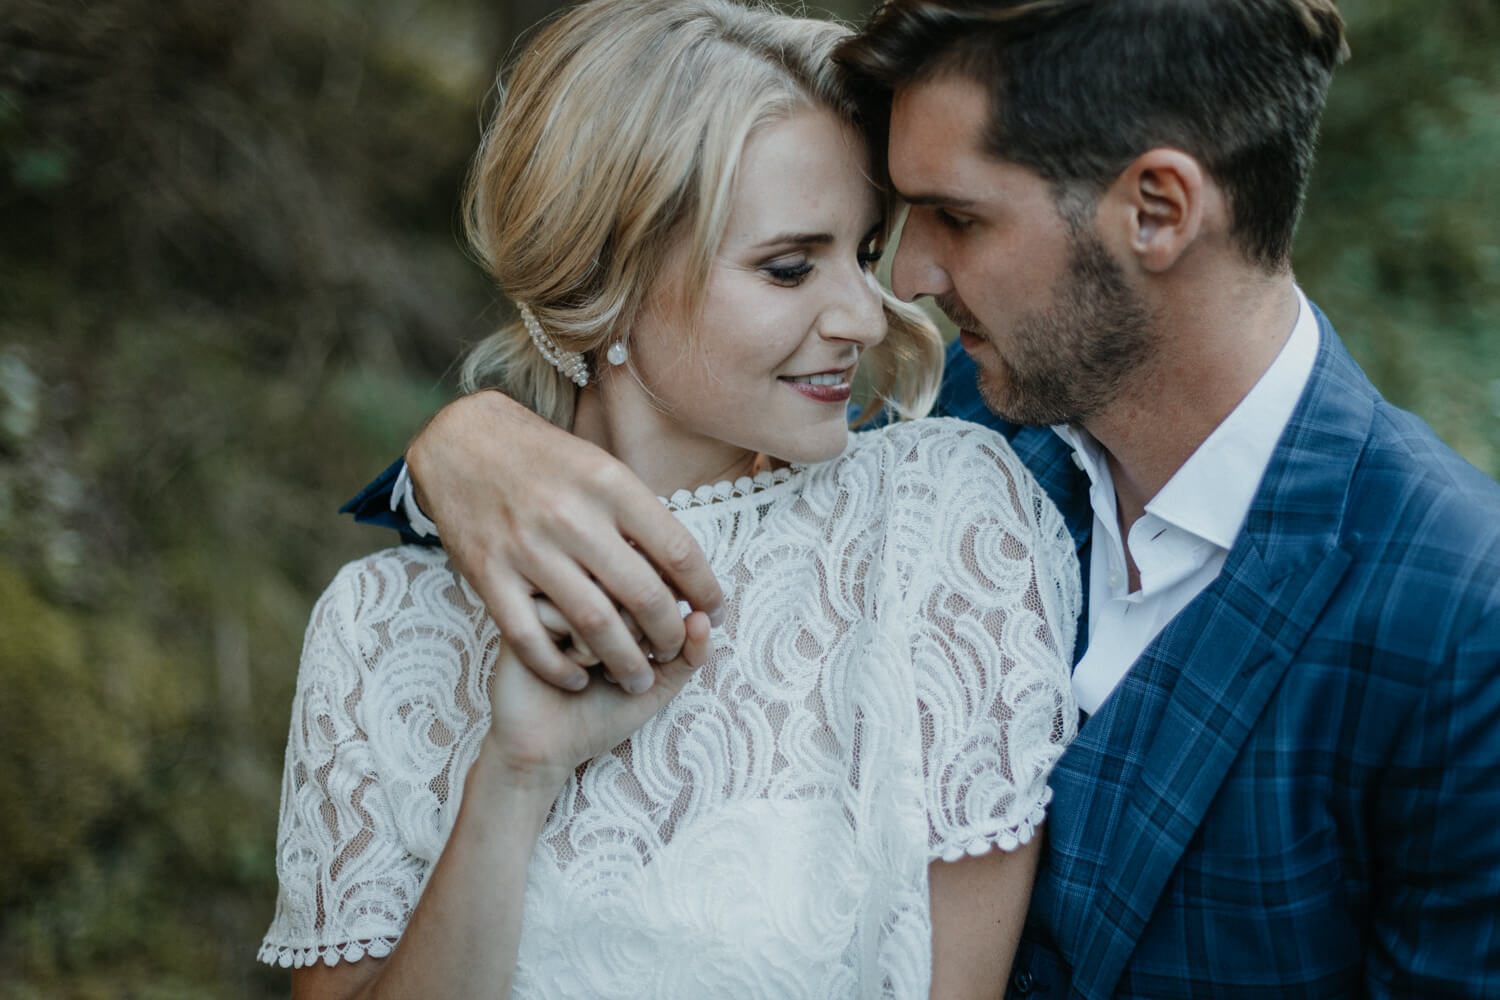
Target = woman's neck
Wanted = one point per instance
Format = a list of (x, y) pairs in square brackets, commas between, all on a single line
[(656, 448)]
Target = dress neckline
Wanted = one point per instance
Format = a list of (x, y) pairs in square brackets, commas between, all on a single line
[(723, 490)]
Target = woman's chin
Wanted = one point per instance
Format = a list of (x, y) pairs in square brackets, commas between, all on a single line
[(817, 446)]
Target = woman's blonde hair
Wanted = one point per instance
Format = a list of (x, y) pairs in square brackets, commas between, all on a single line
[(619, 134)]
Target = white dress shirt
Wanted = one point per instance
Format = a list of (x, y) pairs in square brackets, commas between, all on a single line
[(1182, 540)]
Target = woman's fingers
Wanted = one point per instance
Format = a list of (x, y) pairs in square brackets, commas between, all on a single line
[(697, 647), (551, 618)]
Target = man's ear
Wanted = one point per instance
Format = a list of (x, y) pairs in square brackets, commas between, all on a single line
[(1162, 196)]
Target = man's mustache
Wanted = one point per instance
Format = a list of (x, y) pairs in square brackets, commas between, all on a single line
[(957, 313)]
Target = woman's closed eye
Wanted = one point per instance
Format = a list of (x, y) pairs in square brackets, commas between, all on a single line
[(788, 271)]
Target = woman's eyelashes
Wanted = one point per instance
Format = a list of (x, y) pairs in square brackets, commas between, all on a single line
[(788, 272), (793, 271)]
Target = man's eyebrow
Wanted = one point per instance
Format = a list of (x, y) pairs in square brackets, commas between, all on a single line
[(935, 199)]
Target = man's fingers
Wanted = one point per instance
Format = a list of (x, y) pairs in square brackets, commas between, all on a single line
[(632, 625), (663, 540), (516, 615), (596, 624), (557, 530), (631, 574)]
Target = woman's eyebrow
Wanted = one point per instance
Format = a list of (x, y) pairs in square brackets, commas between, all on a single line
[(794, 239), (811, 239)]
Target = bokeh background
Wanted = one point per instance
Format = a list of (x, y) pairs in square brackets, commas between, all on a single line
[(230, 289)]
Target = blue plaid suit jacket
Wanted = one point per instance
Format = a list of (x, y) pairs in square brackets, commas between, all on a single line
[(1295, 791)]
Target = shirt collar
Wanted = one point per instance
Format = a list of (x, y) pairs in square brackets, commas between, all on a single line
[(1211, 494)]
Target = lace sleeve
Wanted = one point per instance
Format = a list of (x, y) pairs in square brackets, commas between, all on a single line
[(383, 727), (994, 600)]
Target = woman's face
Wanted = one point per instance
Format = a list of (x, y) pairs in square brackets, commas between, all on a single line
[(791, 303)]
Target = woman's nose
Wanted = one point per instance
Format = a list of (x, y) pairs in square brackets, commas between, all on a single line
[(857, 314)]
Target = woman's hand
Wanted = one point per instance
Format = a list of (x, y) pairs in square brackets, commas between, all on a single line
[(524, 507), (539, 733)]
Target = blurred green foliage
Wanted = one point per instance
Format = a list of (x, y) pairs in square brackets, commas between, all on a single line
[(1400, 243), (230, 288)]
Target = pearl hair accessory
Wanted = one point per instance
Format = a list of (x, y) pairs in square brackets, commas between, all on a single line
[(570, 363), (617, 353)]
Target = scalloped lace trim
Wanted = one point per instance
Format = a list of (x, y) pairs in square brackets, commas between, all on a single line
[(726, 490), (1007, 839), (329, 954)]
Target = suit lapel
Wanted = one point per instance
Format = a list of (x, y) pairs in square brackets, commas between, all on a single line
[(1211, 673), (1191, 701)]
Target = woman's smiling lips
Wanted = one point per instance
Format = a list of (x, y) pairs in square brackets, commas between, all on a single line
[(823, 387)]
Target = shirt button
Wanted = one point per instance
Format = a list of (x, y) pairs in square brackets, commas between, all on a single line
[(1114, 581), (1022, 982)]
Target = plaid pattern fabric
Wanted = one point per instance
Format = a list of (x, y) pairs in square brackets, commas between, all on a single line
[(1295, 792)]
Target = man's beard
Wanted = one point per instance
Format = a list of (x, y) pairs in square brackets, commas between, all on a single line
[(1066, 363)]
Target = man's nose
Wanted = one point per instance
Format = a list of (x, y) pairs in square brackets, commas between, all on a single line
[(915, 269)]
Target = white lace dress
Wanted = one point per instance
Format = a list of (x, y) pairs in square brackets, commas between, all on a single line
[(890, 687)]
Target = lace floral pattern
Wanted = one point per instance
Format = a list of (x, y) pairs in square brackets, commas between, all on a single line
[(890, 686)]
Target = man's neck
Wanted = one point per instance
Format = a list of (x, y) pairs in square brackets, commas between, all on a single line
[(1213, 351)]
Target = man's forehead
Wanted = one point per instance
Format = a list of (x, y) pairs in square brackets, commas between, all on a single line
[(949, 101), (935, 123)]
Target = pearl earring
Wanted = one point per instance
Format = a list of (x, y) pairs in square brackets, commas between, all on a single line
[(617, 353)]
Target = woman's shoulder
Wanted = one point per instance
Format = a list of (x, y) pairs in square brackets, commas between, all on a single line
[(950, 473), (936, 434), (386, 574), (393, 625), (408, 581), (935, 448)]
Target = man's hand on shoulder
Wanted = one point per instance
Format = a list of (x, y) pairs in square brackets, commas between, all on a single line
[(524, 507)]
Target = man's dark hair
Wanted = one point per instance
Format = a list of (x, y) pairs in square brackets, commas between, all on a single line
[(1080, 88)]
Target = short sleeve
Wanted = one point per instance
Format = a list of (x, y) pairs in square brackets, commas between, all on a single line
[(384, 719), (994, 598)]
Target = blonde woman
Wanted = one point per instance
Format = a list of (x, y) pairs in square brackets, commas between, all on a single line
[(844, 800)]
